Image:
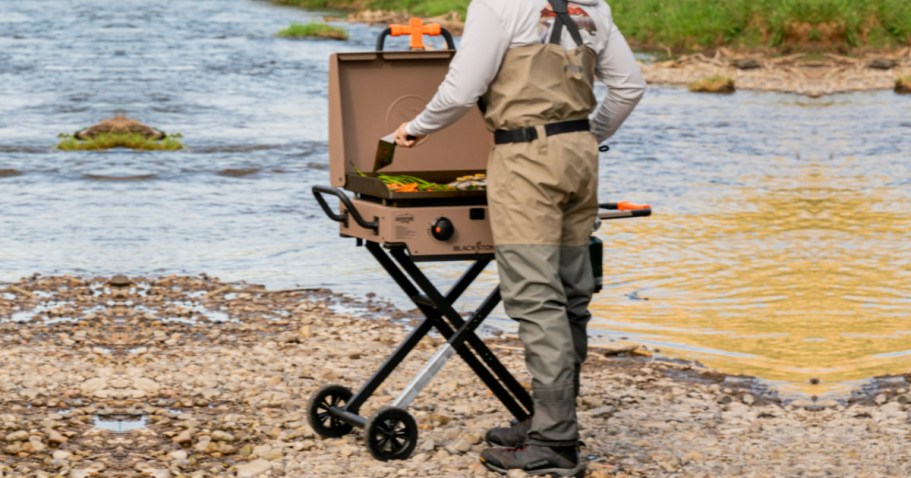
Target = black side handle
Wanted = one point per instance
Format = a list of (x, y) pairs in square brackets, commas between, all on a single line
[(320, 190), (615, 211), (381, 40)]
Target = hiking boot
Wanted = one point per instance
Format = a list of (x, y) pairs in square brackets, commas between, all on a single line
[(535, 460), (513, 436)]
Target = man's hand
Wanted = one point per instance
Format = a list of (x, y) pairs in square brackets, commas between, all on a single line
[(402, 138)]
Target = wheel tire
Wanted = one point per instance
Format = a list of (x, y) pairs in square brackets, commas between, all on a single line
[(391, 434), (321, 422)]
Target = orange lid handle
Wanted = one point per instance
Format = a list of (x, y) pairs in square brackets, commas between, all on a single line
[(631, 206), (416, 29)]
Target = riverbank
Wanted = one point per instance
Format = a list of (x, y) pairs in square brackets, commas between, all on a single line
[(810, 74), (189, 376), (782, 26)]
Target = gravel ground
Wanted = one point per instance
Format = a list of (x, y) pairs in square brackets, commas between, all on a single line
[(191, 377)]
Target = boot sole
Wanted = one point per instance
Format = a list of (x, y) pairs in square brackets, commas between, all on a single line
[(578, 471)]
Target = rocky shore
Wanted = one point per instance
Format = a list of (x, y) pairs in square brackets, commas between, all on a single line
[(192, 377), (810, 75)]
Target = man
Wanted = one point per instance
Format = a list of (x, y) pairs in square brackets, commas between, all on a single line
[(533, 64)]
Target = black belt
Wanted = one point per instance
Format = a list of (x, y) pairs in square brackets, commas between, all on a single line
[(527, 135)]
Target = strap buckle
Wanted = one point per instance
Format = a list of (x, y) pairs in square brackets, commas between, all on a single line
[(528, 134)]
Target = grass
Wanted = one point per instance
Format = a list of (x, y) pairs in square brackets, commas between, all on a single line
[(314, 30), (69, 142), (785, 25), (693, 25)]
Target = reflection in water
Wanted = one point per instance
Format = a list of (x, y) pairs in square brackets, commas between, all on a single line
[(778, 248), (799, 271)]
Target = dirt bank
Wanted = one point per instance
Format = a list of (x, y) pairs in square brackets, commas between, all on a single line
[(811, 75), (191, 377)]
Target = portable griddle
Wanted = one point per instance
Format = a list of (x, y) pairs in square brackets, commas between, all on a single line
[(371, 94)]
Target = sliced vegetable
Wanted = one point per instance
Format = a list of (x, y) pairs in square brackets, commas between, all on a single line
[(403, 183)]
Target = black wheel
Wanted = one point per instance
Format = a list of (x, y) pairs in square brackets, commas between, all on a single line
[(391, 434), (318, 415)]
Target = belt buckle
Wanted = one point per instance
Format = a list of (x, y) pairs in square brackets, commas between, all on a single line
[(529, 134)]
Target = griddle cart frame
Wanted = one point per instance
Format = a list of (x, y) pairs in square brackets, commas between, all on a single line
[(392, 433)]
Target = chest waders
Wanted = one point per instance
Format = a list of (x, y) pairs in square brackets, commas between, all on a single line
[(542, 197)]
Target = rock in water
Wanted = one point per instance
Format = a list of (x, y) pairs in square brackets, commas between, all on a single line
[(120, 124), (903, 85), (120, 280), (713, 84)]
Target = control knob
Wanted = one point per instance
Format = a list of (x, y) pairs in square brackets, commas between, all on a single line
[(442, 229)]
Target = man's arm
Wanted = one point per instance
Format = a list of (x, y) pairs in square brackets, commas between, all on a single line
[(484, 43), (618, 69)]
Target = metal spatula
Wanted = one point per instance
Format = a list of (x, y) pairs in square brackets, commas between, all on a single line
[(385, 151)]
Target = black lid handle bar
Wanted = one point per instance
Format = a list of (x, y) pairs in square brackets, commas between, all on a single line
[(381, 40)]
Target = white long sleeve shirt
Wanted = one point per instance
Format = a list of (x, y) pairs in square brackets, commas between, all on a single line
[(494, 26)]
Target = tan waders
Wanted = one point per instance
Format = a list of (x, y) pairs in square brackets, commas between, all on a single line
[(542, 195)]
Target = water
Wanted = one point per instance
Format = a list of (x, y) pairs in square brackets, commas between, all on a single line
[(778, 248)]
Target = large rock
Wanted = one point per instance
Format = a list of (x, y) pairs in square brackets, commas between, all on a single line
[(713, 84), (903, 85), (120, 124)]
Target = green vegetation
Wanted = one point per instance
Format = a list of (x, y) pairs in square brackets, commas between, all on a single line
[(713, 84), (690, 25), (423, 8), (69, 142), (787, 25), (314, 30)]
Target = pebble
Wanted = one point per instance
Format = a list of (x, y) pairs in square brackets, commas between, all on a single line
[(256, 468), (20, 435), (459, 446), (179, 456), (61, 455), (219, 435)]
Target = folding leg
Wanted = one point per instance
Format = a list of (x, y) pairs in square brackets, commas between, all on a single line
[(340, 407), (433, 304)]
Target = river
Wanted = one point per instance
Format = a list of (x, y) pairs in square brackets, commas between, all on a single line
[(779, 247)]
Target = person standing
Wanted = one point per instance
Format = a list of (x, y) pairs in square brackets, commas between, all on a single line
[(532, 64)]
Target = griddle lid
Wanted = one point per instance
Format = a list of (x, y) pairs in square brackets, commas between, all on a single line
[(371, 94)]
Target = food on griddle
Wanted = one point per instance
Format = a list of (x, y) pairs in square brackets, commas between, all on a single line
[(403, 183), (472, 182)]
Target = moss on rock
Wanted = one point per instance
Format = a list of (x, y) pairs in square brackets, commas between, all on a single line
[(713, 84), (903, 85), (102, 141)]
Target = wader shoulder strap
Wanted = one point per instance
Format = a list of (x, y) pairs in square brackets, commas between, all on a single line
[(561, 8)]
